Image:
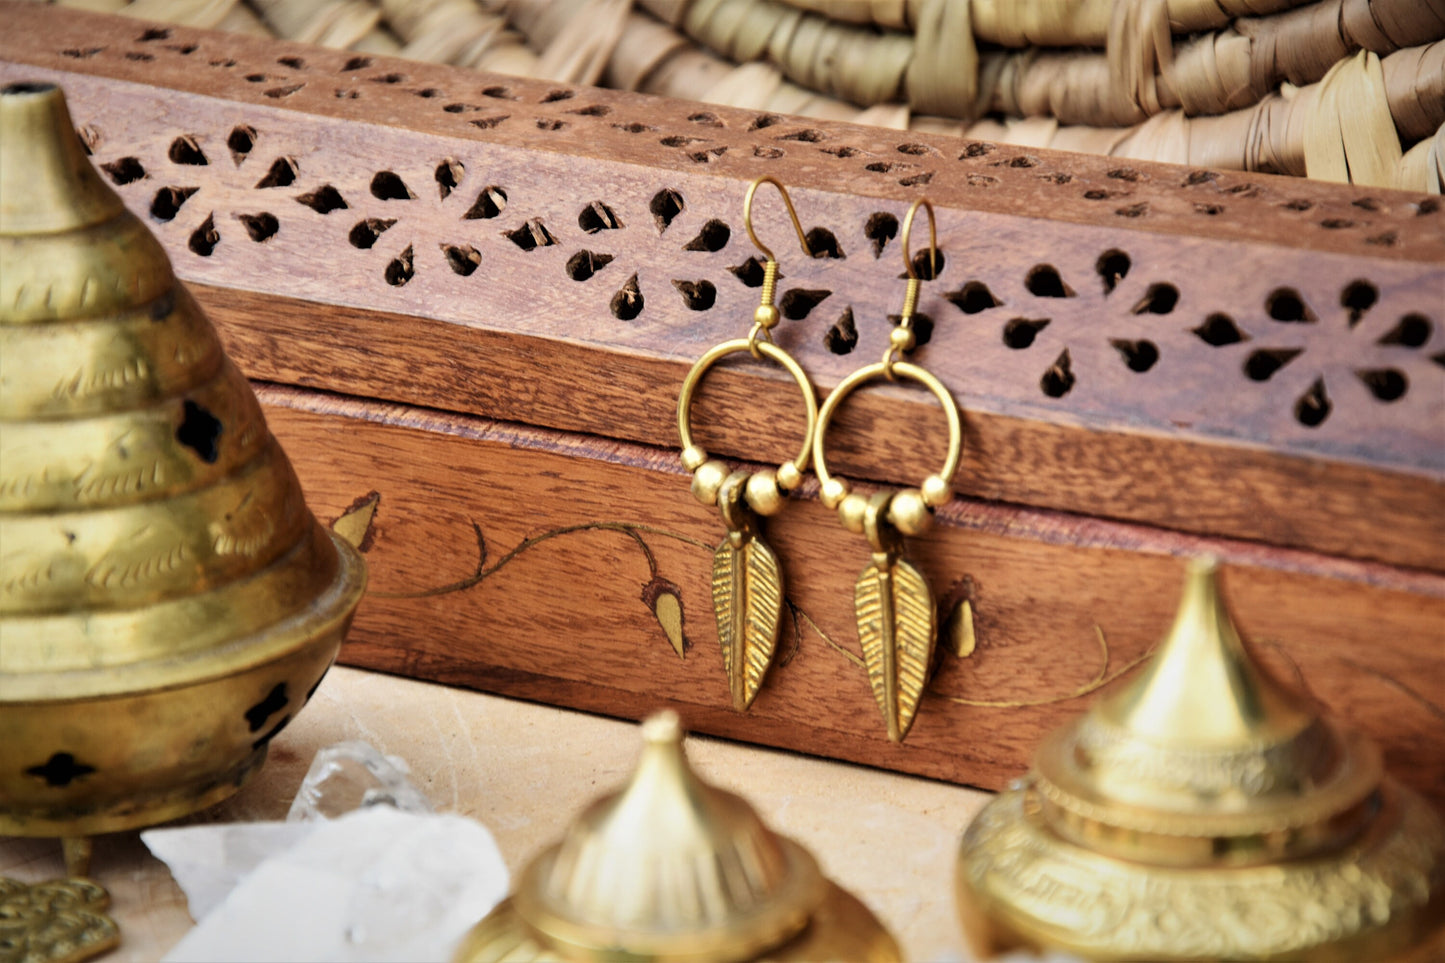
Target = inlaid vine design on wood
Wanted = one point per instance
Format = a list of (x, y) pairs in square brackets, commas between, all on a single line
[(664, 598)]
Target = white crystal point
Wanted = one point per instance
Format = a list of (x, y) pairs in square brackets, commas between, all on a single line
[(354, 775)]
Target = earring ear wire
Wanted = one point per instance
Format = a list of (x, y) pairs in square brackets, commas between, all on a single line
[(902, 338), (766, 317)]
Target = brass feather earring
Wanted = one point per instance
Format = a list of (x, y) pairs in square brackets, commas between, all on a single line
[(747, 582), (897, 619)]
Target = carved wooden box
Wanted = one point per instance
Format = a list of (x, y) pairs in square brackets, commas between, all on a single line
[(469, 302)]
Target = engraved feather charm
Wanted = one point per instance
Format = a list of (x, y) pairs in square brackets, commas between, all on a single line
[(897, 628), (747, 594)]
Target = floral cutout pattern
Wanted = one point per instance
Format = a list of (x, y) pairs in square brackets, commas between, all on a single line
[(1070, 329)]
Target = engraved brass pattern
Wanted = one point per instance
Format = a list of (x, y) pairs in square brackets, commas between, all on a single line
[(167, 600), (670, 868), (1206, 812), (896, 630), (747, 593), (1070, 897), (58, 921)]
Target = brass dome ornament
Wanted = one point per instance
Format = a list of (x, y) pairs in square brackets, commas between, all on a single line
[(1206, 812), (167, 601), (670, 868)]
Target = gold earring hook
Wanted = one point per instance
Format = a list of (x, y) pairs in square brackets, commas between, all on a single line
[(932, 239), (766, 317), (787, 201), (901, 338)]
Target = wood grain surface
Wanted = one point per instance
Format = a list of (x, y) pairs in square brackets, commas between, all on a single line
[(1269, 366), (529, 562)]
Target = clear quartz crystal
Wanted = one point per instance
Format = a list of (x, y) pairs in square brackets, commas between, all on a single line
[(353, 775)]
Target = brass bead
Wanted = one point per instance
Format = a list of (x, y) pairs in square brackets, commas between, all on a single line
[(767, 315), (851, 511), (762, 492), (902, 338), (788, 476), (707, 480), (832, 492), (693, 457), (936, 491), (909, 513)]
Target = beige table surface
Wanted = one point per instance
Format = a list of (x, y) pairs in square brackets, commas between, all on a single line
[(523, 770)]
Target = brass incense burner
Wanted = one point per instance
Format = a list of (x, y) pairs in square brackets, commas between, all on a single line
[(167, 601), (1206, 812), (670, 868)]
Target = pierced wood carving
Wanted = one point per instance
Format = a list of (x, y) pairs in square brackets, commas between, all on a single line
[(427, 219)]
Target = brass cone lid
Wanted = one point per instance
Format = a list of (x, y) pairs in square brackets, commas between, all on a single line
[(1203, 747), (1206, 811), (672, 868), (167, 600)]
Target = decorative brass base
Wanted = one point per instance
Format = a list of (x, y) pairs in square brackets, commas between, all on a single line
[(841, 928), (78, 768), (82, 767), (1021, 886)]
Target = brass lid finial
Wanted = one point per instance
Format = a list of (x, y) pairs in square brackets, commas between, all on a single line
[(670, 867), (1209, 812), (1203, 690), (1206, 740)]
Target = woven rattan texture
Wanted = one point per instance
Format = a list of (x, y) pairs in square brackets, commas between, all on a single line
[(1341, 90)]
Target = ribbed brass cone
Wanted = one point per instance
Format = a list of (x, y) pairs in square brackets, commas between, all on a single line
[(167, 601), (1205, 812), (670, 868)]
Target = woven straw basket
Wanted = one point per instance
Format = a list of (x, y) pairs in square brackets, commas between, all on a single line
[(1341, 90)]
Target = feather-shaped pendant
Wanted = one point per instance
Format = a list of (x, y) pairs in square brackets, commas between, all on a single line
[(747, 595), (897, 628)]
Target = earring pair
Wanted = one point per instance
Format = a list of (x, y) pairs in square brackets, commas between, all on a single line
[(897, 621)]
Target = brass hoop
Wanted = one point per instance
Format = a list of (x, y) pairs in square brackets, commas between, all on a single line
[(773, 353), (766, 251), (880, 369)]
